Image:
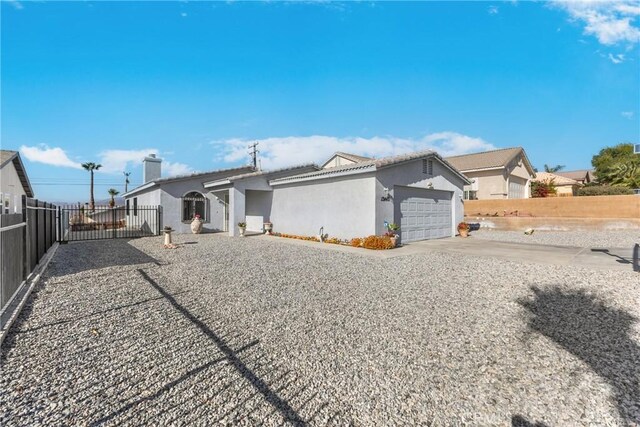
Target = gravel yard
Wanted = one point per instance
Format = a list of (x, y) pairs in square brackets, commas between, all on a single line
[(582, 239), (254, 330)]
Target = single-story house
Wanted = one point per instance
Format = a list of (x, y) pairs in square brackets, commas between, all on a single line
[(582, 176), (496, 174), (14, 182), (420, 191), (564, 186)]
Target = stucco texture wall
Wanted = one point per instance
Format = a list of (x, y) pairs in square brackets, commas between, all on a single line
[(491, 184), (561, 207), (344, 206), (172, 194), (411, 174)]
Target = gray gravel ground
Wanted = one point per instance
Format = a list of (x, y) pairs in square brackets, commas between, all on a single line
[(582, 239), (249, 331)]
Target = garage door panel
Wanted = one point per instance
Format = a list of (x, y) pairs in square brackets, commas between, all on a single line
[(424, 214)]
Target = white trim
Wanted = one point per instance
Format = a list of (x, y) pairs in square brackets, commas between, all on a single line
[(136, 190), (483, 169), (218, 183), (293, 179), (11, 227)]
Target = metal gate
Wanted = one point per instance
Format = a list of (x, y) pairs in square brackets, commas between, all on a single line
[(104, 222)]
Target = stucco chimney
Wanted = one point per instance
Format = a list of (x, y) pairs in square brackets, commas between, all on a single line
[(151, 168)]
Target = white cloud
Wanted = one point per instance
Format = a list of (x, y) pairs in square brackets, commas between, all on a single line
[(173, 169), (16, 4), (116, 161), (287, 151), (184, 14), (616, 59), (55, 156), (611, 22), (493, 10), (627, 114)]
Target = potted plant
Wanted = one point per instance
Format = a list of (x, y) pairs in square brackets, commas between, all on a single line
[(393, 233), (196, 224), (242, 226), (463, 229), (268, 226)]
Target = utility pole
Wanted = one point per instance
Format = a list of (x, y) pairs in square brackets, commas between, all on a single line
[(254, 154), (126, 180)]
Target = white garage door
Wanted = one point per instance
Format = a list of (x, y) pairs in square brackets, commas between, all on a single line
[(424, 214)]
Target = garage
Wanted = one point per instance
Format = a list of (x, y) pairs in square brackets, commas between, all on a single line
[(423, 214)]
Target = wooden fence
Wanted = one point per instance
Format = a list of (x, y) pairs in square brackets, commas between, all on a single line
[(24, 238)]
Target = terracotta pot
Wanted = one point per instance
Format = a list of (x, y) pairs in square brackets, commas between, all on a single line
[(196, 226), (394, 240), (463, 232)]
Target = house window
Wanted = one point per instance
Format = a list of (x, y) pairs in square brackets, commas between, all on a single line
[(470, 195), (193, 204), (135, 206), (128, 208), (427, 167)]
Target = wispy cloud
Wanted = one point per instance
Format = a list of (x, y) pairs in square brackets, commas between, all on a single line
[(117, 161), (627, 114), (55, 156), (173, 169), (493, 10), (286, 151), (616, 59), (16, 4), (611, 22)]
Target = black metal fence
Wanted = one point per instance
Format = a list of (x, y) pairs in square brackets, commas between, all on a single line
[(104, 222), (25, 239)]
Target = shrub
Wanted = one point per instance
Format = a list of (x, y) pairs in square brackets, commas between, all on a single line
[(463, 226), (543, 188), (356, 242), (604, 190), (378, 242)]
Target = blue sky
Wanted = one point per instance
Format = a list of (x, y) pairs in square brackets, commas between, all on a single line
[(196, 82)]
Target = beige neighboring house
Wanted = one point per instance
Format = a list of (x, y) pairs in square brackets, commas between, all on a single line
[(497, 174), (14, 182), (564, 186), (582, 176), (343, 159)]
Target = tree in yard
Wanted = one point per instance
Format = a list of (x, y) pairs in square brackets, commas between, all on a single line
[(617, 166), (543, 188), (553, 169), (113, 193), (91, 167)]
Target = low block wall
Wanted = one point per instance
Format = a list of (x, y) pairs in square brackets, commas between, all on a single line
[(608, 207), (555, 224)]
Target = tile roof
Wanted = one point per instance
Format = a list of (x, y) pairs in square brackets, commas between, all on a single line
[(578, 175), (557, 179), (8, 155), (352, 157), (487, 159), (266, 173), (372, 164)]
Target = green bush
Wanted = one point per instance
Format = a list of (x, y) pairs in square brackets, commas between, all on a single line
[(604, 190)]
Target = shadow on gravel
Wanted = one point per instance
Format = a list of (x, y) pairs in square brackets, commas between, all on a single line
[(230, 356), (96, 254), (520, 421), (597, 334)]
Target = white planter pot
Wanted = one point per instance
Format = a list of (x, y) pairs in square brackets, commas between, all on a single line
[(196, 226), (242, 230)]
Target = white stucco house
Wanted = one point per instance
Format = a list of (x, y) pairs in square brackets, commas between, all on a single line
[(14, 182), (349, 196)]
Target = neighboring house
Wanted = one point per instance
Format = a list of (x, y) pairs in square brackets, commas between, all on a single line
[(419, 191), (497, 174), (582, 176), (14, 182), (344, 159), (564, 186)]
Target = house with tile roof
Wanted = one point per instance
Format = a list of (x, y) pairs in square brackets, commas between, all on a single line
[(564, 186), (14, 182), (583, 176), (496, 174), (356, 197)]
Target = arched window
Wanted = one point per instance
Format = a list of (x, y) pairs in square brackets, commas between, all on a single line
[(193, 204)]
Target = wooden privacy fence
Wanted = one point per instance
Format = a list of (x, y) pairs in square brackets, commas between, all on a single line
[(25, 239)]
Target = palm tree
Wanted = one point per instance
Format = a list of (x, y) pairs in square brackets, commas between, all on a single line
[(553, 169), (113, 193), (91, 167)]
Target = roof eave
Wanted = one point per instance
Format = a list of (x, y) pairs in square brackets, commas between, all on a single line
[(348, 172), (22, 174), (218, 183), (139, 189)]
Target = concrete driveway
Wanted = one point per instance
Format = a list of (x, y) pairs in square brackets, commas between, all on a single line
[(598, 258)]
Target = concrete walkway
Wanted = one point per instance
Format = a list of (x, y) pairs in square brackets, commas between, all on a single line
[(620, 259)]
